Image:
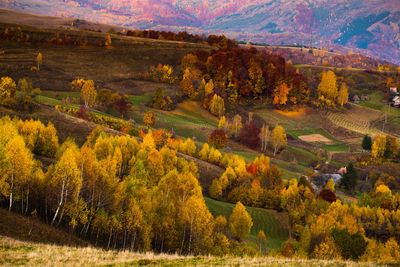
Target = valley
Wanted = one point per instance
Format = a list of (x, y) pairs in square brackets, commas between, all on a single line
[(153, 181)]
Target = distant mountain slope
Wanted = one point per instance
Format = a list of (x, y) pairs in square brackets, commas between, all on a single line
[(369, 26)]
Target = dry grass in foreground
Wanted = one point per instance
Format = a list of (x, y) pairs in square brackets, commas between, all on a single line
[(14, 252)]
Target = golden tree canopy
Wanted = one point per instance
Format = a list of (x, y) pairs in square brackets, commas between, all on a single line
[(88, 93), (150, 119), (240, 222)]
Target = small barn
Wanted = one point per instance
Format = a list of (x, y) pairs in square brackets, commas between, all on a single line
[(323, 178), (356, 99), (342, 170), (396, 101), (365, 98)]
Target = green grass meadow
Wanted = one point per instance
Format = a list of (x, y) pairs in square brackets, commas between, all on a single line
[(262, 220)]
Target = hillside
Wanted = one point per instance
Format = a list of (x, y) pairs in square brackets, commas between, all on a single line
[(274, 224), (370, 27), (114, 68), (197, 146), (321, 57), (31, 229)]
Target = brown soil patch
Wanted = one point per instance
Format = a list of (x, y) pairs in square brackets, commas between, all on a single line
[(315, 138)]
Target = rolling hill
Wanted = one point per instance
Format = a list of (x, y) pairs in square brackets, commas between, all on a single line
[(370, 27)]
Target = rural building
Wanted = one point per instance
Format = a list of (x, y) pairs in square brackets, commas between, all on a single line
[(356, 99), (323, 178), (365, 97), (342, 170), (396, 101)]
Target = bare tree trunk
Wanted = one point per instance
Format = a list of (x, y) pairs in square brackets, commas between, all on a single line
[(61, 217), (97, 237), (62, 211), (162, 244), (27, 201), (133, 240), (183, 239), (109, 239), (45, 210), (190, 235), (11, 192), (124, 239), (22, 203), (115, 240), (59, 204), (83, 229)]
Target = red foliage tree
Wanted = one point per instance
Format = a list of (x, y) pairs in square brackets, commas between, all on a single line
[(249, 135), (252, 169), (327, 195), (82, 113), (122, 106)]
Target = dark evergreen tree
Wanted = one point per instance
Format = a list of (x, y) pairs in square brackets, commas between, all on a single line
[(352, 246), (367, 142), (349, 179)]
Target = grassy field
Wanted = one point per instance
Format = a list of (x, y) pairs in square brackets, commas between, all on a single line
[(336, 146), (61, 94), (303, 122), (188, 120), (137, 100), (17, 253), (304, 118), (264, 220)]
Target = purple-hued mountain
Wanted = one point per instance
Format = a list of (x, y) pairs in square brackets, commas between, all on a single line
[(367, 26)]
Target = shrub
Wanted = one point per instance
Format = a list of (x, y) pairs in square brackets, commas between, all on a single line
[(113, 123), (218, 139), (149, 119), (82, 113), (303, 181), (245, 251), (327, 195)]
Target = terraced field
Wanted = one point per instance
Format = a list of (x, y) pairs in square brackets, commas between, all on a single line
[(353, 122), (270, 222), (378, 102)]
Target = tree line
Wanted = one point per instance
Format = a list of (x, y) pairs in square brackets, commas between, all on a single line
[(114, 191)]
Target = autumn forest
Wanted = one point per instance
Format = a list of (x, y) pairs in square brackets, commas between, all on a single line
[(171, 143)]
